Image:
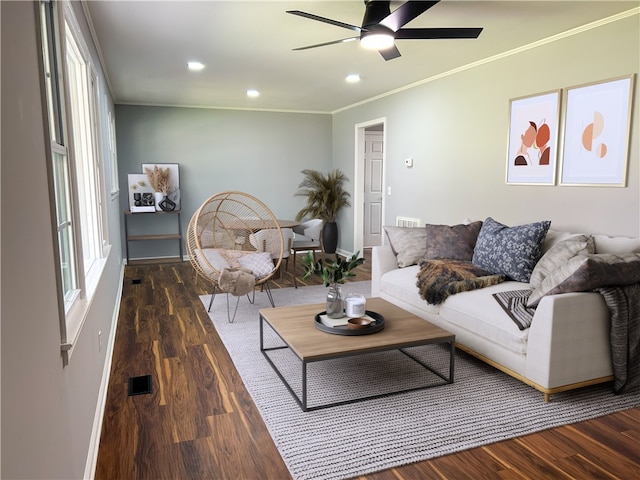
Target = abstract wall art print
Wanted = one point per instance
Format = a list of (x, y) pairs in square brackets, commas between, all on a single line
[(596, 133), (533, 139)]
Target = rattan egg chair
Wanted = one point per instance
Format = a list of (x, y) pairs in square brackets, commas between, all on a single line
[(218, 242)]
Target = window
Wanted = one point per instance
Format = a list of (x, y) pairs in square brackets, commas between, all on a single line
[(75, 168), (113, 157)]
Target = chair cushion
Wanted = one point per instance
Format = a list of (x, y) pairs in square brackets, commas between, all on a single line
[(214, 258)]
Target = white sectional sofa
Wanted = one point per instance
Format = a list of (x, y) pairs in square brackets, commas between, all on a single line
[(567, 345)]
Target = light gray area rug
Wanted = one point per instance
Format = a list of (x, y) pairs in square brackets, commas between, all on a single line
[(482, 406)]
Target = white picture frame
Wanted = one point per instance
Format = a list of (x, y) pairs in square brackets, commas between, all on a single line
[(533, 139), (597, 125)]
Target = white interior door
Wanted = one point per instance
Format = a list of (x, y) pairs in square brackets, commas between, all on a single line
[(373, 184)]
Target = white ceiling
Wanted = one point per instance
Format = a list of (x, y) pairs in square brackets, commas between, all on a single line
[(145, 46)]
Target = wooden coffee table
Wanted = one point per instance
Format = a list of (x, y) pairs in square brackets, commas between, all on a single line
[(295, 327)]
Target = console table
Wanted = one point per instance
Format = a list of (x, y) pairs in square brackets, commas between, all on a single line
[(164, 236)]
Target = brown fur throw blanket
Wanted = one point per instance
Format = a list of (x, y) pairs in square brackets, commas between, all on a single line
[(439, 279), (236, 281)]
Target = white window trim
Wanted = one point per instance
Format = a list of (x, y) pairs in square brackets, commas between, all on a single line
[(78, 303)]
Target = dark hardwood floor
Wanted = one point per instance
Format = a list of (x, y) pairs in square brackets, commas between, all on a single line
[(200, 423)]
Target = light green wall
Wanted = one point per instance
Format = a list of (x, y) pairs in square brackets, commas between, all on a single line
[(261, 153), (455, 129)]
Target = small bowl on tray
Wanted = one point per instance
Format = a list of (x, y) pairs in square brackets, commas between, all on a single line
[(358, 323)]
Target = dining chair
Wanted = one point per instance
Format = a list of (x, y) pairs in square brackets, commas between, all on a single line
[(306, 238), (268, 240)]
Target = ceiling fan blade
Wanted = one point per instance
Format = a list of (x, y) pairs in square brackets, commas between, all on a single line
[(324, 20), (390, 53), (405, 13), (350, 39), (434, 33)]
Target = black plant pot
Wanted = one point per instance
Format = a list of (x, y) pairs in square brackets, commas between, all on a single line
[(330, 237)]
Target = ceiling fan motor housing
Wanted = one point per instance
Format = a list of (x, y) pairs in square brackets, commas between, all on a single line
[(375, 11)]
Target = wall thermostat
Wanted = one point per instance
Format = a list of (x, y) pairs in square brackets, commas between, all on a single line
[(408, 162)]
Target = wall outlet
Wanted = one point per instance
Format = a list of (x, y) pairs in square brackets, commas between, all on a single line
[(408, 162)]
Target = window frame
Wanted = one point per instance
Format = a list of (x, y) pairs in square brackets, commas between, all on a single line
[(75, 165)]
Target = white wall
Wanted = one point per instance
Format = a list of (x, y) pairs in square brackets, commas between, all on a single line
[(47, 410), (455, 129)]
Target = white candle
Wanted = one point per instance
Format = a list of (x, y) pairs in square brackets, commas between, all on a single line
[(355, 305)]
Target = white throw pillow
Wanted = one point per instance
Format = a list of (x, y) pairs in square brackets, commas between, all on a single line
[(260, 264)]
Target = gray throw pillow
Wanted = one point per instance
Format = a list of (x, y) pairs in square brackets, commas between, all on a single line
[(559, 254), (408, 244), (451, 242), (510, 251), (584, 273)]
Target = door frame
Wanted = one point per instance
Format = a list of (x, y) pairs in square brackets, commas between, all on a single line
[(358, 179)]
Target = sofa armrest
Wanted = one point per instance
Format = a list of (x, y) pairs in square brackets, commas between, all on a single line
[(569, 340), (383, 260)]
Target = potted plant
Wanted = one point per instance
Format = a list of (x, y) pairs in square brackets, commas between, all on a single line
[(333, 274), (325, 198)]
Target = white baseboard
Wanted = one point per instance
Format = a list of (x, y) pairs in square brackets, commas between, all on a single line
[(94, 441)]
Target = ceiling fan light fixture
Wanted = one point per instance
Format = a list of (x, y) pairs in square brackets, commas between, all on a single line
[(377, 41)]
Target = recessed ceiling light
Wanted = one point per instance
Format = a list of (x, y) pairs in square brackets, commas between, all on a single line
[(195, 66), (253, 93), (353, 78)]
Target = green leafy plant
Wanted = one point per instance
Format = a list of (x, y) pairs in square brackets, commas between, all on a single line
[(325, 195), (334, 271)]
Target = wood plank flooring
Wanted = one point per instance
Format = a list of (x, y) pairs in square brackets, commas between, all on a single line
[(200, 423)]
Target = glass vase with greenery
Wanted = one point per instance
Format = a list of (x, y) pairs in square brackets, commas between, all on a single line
[(333, 273)]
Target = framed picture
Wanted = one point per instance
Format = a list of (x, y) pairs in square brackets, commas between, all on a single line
[(140, 193), (174, 179), (533, 139), (596, 133)]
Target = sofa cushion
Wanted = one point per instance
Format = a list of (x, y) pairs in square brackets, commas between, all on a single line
[(584, 273), (478, 312), (408, 243), (451, 242), (510, 251), (559, 254), (401, 284)]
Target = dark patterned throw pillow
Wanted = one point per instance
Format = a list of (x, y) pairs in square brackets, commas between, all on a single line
[(510, 251)]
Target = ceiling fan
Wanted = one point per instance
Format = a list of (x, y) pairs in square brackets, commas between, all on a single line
[(381, 27)]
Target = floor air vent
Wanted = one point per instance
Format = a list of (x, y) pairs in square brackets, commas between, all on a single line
[(136, 281), (140, 385)]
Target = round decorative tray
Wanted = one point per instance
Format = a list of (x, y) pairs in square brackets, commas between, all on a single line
[(376, 326)]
